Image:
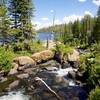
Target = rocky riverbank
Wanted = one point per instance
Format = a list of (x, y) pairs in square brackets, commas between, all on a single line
[(61, 77)]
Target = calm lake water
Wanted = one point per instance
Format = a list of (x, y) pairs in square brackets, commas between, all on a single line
[(40, 36), (44, 36)]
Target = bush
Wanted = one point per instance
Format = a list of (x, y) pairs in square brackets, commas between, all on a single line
[(90, 65), (36, 46), (17, 47), (63, 49), (28, 46), (95, 94), (6, 58)]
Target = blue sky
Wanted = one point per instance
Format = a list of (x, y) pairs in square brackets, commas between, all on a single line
[(64, 11)]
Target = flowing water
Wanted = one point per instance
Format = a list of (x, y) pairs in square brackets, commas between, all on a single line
[(56, 79), (15, 96)]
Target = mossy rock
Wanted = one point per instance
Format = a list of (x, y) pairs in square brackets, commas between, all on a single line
[(5, 84)]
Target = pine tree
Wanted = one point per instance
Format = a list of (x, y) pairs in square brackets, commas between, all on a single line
[(96, 31), (86, 28), (4, 21), (76, 29), (21, 13)]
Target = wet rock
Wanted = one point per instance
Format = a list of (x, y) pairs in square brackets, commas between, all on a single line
[(5, 84), (28, 70), (74, 64), (3, 79), (61, 81), (22, 76), (43, 56), (24, 60), (78, 82), (58, 57), (21, 68), (72, 74), (80, 77), (65, 65), (14, 85), (50, 68), (62, 95), (13, 71), (74, 98), (74, 56), (1, 73), (50, 65)]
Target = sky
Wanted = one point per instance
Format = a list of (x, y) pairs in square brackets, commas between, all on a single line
[(63, 11)]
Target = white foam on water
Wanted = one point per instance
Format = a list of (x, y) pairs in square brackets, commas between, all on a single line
[(71, 83), (14, 96), (63, 72)]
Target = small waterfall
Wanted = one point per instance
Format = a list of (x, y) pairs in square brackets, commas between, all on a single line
[(14, 96), (63, 72)]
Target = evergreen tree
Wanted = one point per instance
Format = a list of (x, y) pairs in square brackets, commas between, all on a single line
[(96, 31), (86, 28), (21, 12), (4, 21), (76, 29)]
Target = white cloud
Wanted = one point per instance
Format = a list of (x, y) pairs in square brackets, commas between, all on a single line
[(96, 2), (81, 0), (72, 18), (44, 19), (88, 13), (39, 25), (57, 21), (66, 19)]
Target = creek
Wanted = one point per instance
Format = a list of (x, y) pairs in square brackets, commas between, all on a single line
[(55, 77)]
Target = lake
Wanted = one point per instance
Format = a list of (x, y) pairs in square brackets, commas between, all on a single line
[(39, 36), (44, 36)]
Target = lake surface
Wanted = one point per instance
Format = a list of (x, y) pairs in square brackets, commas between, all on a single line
[(39, 36), (44, 36)]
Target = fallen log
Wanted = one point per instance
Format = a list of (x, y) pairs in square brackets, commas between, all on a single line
[(52, 91)]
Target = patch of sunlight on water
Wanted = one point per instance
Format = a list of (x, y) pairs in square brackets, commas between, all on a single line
[(14, 96)]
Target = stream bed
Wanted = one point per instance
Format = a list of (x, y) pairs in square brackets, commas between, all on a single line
[(56, 78)]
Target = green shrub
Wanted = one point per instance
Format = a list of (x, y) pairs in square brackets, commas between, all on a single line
[(17, 47), (95, 94), (28, 46), (64, 49), (6, 58), (36, 46), (90, 65), (23, 53)]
